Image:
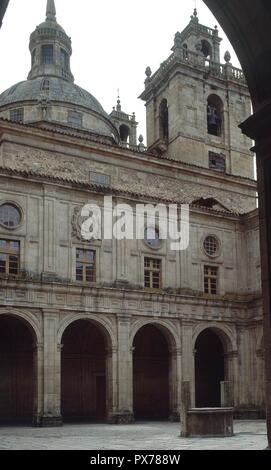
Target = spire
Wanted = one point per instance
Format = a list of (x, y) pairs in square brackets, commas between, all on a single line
[(51, 10), (118, 102)]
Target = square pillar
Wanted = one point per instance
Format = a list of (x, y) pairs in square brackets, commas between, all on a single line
[(123, 412), (51, 415)]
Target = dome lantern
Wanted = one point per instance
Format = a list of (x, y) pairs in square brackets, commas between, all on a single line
[(50, 48)]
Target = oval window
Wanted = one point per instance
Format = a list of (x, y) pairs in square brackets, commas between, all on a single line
[(10, 216), (211, 246), (152, 237)]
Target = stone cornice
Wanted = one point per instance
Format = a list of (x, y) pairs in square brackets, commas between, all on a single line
[(35, 293)]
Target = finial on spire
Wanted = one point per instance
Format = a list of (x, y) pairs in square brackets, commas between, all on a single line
[(51, 10), (194, 17), (118, 101)]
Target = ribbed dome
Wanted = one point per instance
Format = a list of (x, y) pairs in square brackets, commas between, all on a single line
[(49, 94), (59, 90)]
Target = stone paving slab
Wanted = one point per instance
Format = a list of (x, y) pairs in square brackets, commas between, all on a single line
[(249, 435)]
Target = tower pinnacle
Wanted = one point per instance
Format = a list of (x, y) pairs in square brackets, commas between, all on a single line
[(51, 10)]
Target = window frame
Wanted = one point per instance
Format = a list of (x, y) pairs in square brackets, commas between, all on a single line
[(219, 157), (164, 120), (86, 262), (218, 244), (43, 56), (45, 84), (64, 63), (8, 252), (159, 240), (72, 122), (15, 206), (20, 112), (216, 102), (151, 270), (208, 278)]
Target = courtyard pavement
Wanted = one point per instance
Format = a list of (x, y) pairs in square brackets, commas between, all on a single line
[(249, 435)]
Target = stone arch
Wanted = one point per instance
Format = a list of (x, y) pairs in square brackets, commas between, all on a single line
[(28, 319), (156, 369), (19, 338), (227, 336), (124, 132), (168, 329), (87, 347), (215, 346), (207, 49), (100, 322)]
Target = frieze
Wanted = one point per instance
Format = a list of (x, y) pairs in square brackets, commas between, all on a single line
[(180, 191), (148, 184)]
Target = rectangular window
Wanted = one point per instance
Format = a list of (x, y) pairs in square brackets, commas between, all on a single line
[(64, 59), (99, 179), (210, 280), (75, 119), (85, 265), (152, 273), (9, 257), (217, 161), (47, 54), (45, 86), (33, 56), (17, 115)]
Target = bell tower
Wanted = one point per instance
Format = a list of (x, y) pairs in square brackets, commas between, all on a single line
[(126, 125), (194, 104)]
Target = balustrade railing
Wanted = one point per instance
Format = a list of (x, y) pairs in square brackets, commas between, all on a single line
[(182, 54)]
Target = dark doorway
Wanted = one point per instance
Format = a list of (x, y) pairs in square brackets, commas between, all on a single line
[(83, 373), (16, 372), (209, 369), (151, 375)]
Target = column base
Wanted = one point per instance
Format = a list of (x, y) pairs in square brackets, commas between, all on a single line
[(175, 417), (48, 421), (121, 418)]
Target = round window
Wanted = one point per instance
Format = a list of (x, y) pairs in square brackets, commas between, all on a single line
[(152, 237), (211, 246), (10, 216)]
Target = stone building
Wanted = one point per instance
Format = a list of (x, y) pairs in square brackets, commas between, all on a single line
[(108, 329)]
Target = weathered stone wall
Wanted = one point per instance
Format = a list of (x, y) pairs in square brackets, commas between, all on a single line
[(187, 91)]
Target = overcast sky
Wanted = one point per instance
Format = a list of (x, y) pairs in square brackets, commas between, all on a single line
[(113, 43)]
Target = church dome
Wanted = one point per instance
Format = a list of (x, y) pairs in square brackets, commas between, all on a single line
[(50, 94), (51, 89)]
